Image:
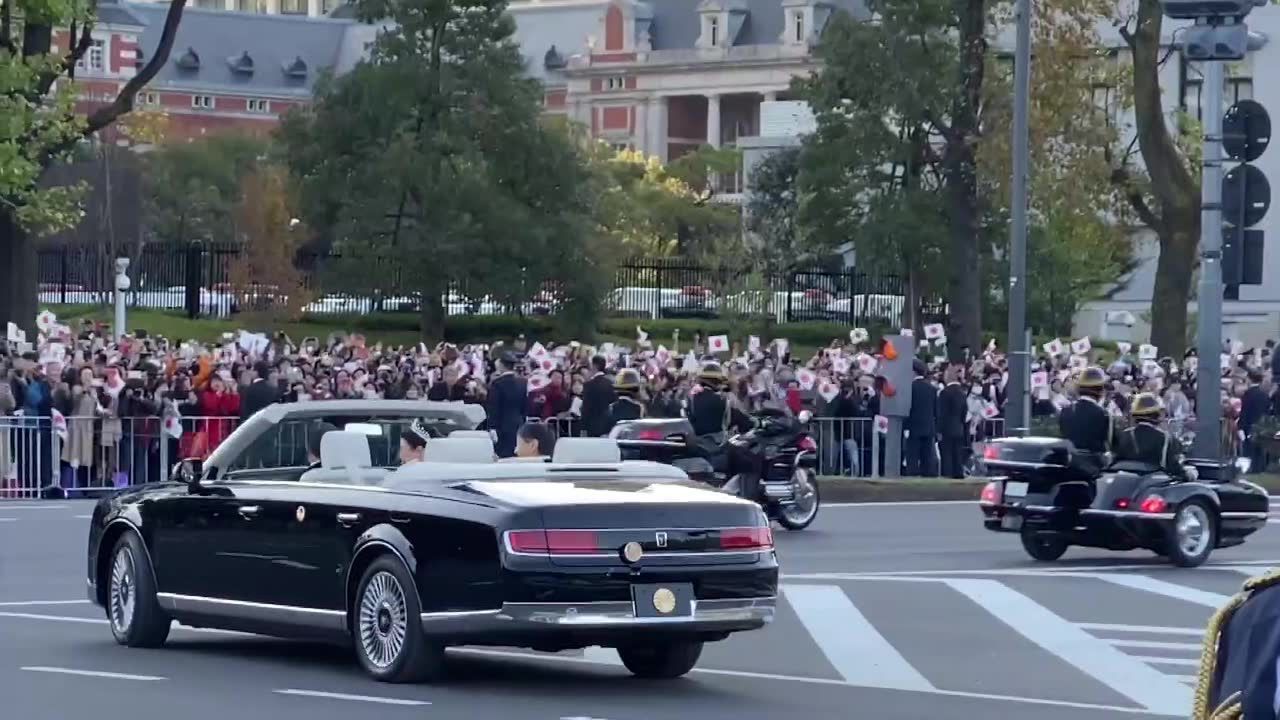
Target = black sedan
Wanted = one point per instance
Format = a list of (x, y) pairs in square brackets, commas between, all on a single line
[(1038, 492), (458, 550)]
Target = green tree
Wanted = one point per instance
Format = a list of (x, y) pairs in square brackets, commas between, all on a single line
[(435, 158), (39, 127), (192, 188)]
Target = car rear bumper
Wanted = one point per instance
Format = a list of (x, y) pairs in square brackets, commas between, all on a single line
[(708, 616)]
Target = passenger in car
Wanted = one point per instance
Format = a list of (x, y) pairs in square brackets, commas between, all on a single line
[(535, 439), (413, 444), (314, 433)]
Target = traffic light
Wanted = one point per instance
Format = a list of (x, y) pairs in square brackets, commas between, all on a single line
[(1246, 196), (895, 373), (1216, 42)]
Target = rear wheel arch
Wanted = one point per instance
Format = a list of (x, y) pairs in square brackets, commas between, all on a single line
[(106, 545), (365, 555)]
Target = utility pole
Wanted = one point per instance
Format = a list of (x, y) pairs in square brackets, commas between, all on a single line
[(1018, 409), (1208, 442)]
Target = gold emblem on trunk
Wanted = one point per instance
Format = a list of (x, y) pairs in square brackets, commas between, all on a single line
[(632, 552), (664, 601), (301, 514)]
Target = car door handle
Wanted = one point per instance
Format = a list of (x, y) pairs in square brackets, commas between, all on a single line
[(348, 518), (250, 511)]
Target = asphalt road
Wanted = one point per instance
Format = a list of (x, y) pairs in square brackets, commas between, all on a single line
[(890, 611)]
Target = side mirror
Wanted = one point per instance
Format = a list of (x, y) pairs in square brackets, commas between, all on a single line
[(188, 472)]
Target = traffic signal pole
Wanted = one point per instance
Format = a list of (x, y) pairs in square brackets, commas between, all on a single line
[(1208, 440)]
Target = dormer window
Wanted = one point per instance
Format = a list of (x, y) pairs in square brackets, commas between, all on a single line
[(189, 61), (296, 69), (242, 65), (713, 30), (797, 25)]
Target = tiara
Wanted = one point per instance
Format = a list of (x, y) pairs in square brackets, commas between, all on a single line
[(417, 428)]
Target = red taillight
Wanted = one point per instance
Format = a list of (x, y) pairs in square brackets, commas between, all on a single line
[(1153, 504), (1122, 504), (553, 542), (807, 443), (749, 538), (650, 435), (991, 452), (991, 493)]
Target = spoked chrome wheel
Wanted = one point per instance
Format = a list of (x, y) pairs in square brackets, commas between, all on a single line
[(804, 506), (123, 592), (1192, 526), (383, 619)]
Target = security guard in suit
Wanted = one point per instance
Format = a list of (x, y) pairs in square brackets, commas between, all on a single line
[(628, 406), (1237, 678), (1087, 424), (1147, 443)]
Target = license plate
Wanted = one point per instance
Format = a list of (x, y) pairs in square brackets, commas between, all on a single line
[(663, 600), (1011, 522), (1015, 489)]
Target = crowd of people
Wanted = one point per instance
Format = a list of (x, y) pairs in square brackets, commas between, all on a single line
[(111, 404)]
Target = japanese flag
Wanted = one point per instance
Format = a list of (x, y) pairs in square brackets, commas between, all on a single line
[(547, 365), (866, 363), (691, 365), (990, 411), (718, 343), (1081, 346), (1079, 362), (857, 336), (753, 343), (1148, 352), (1053, 347), (806, 378), (538, 351), (59, 424), (882, 424), (1039, 379), (173, 422), (536, 382), (46, 321), (782, 346), (840, 364), (1124, 347), (934, 331), (828, 390), (663, 355)]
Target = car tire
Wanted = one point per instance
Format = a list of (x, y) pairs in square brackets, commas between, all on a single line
[(1041, 548), (387, 626), (134, 614), (1180, 547), (663, 660)]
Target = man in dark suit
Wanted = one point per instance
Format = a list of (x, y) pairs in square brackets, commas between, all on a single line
[(260, 392), (597, 396), (952, 408), (508, 396), (922, 424), (1253, 407)]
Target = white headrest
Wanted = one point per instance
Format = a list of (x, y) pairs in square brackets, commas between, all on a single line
[(471, 434), (586, 450), (342, 450), (460, 450)]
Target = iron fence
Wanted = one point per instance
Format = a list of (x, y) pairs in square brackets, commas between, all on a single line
[(199, 280)]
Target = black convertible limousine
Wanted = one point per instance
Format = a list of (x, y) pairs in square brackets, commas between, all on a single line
[(578, 550)]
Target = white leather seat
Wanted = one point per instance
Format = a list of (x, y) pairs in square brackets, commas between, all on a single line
[(586, 450), (471, 434), (344, 459), (454, 449)]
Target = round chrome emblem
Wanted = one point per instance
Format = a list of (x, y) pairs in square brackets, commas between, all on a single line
[(301, 514), (632, 552), (664, 601)]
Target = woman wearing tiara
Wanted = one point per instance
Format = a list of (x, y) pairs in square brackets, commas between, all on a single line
[(413, 443)]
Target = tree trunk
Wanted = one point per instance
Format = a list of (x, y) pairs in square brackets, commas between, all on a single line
[(18, 296), (1174, 270), (431, 313), (960, 166), (1176, 190)]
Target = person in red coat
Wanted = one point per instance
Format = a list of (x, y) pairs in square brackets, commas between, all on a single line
[(219, 409)]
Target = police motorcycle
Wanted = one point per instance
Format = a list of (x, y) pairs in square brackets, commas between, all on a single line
[(1039, 489), (788, 489)]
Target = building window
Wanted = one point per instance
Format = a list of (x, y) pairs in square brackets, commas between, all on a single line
[(93, 58), (259, 106), (293, 7), (211, 4), (251, 6), (713, 31), (148, 99), (797, 23), (328, 6), (202, 102), (616, 82), (620, 146)]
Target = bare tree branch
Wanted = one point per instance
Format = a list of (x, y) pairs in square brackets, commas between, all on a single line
[(1121, 178)]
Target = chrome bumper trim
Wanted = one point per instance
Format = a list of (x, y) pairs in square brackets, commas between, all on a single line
[(1134, 514), (707, 615)]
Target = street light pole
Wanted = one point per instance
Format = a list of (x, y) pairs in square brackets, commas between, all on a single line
[(1208, 442), (1018, 411)]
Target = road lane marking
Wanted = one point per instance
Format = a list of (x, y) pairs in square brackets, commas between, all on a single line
[(90, 673), (345, 696), (1156, 645), (900, 504), (849, 641), (8, 519), (1018, 572), (84, 517), (1154, 629), (516, 655), (1135, 680), (27, 603), (1167, 660), (103, 621), (602, 655), (19, 506), (1247, 570), (1162, 587)]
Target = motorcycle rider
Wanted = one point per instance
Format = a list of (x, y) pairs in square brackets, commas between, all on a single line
[(712, 416), (628, 406), (1146, 442), (1087, 424)]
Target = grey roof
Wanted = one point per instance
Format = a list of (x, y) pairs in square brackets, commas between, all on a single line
[(221, 37), (564, 26), (111, 12), (676, 24)]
